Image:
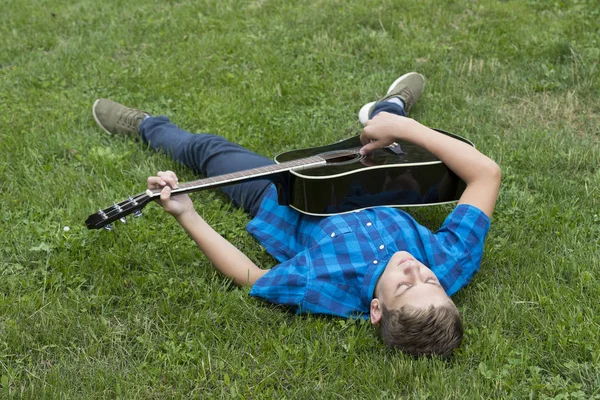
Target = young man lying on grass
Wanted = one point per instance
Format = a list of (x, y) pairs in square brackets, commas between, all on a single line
[(376, 263)]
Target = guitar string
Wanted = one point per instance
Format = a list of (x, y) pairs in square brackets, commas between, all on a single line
[(113, 211)]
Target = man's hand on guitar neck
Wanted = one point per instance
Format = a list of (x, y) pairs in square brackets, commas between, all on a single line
[(176, 206)]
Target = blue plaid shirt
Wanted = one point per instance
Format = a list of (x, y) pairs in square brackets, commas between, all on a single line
[(330, 265)]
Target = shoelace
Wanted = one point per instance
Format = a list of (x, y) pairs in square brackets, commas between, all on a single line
[(406, 94), (129, 118)]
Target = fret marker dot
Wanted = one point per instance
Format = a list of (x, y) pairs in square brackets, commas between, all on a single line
[(332, 234), (381, 247), (375, 261), (369, 224)]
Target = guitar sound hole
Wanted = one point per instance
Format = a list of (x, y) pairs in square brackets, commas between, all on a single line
[(343, 158)]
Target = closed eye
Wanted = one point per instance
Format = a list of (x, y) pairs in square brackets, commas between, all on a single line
[(432, 281)]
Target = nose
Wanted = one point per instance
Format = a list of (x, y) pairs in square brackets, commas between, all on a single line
[(410, 268)]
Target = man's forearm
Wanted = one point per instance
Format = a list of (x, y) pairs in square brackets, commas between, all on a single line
[(226, 258), (480, 173), (463, 159)]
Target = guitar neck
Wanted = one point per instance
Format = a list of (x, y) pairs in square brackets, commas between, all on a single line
[(236, 177)]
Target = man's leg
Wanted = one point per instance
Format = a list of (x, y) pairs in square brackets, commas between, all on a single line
[(206, 154), (209, 155), (389, 107), (399, 99)]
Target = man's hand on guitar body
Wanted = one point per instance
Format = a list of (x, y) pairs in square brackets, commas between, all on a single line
[(383, 130), (176, 206)]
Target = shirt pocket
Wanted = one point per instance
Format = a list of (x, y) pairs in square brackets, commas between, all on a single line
[(329, 233)]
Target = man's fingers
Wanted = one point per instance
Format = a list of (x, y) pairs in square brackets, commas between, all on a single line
[(366, 149), (165, 194), (169, 177), (365, 135), (164, 179), (167, 174), (171, 173), (364, 139), (155, 182), (367, 140)]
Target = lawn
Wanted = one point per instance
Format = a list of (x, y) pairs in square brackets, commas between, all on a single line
[(139, 312)]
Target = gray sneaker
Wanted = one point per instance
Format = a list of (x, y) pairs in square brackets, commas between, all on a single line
[(407, 88), (115, 118)]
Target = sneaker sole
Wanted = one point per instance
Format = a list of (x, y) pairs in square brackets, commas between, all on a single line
[(96, 118), (363, 114)]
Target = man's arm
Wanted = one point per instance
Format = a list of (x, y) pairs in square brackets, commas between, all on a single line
[(225, 257), (480, 173)]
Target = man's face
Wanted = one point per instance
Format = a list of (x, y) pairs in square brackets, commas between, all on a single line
[(406, 281)]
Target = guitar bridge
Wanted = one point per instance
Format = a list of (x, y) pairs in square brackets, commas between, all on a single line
[(395, 148)]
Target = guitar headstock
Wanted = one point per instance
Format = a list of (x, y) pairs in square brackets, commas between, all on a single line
[(118, 211)]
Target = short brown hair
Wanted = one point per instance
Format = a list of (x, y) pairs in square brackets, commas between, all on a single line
[(429, 331)]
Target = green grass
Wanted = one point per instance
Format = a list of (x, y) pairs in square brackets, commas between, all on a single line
[(139, 312)]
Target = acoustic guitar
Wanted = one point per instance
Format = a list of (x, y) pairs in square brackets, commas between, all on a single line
[(328, 180)]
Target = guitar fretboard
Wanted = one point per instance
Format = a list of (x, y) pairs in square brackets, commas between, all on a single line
[(226, 179)]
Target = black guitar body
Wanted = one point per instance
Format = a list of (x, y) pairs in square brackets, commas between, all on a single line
[(401, 176)]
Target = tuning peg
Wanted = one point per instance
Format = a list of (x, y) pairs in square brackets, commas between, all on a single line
[(108, 227), (137, 214), (123, 220)]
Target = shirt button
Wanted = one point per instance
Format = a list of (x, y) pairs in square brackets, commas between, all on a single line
[(332, 234), (369, 224), (375, 261), (381, 247)]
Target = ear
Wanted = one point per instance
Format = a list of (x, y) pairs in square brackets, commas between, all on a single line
[(375, 311)]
